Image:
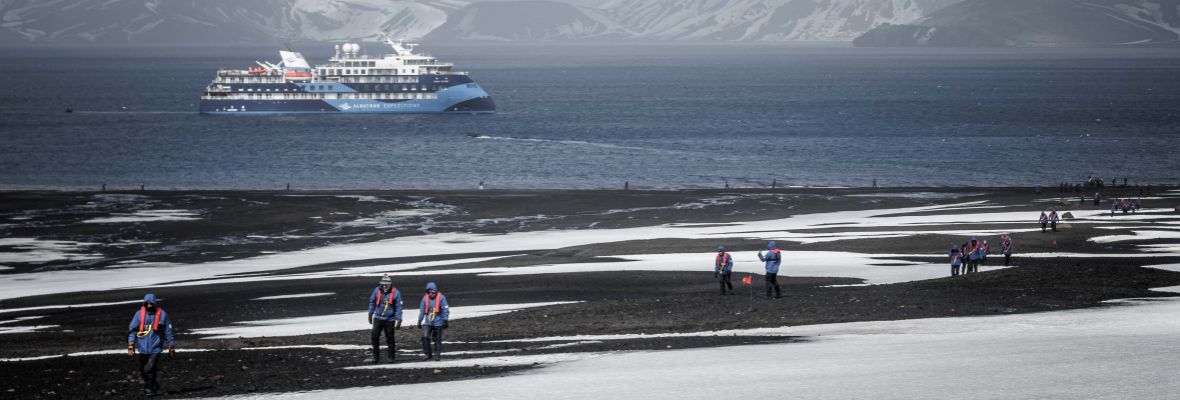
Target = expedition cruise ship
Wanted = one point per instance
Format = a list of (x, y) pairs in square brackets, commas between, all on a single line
[(402, 82)]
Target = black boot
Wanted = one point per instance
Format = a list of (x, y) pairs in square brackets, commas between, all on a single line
[(426, 348), (376, 354)]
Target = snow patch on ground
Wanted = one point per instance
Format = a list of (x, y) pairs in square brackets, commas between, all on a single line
[(294, 296), (147, 216), (1113, 352), (32, 250), (496, 361), (65, 306), (344, 322), (1138, 235)]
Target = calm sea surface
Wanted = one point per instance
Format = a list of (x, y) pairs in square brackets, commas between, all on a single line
[(593, 116)]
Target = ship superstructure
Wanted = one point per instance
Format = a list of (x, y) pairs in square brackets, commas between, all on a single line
[(399, 82)]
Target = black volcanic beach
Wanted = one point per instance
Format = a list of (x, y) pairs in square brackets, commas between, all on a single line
[(319, 253)]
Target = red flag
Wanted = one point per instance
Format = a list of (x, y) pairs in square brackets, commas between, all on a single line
[(748, 280)]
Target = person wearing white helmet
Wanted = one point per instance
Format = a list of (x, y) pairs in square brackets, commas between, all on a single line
[(385, 315)]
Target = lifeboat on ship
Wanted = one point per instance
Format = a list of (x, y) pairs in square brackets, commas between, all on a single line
[(297, 75)]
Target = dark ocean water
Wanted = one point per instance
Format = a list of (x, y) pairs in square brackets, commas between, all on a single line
[(595, 116)]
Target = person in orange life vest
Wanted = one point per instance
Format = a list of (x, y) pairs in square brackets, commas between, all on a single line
[(956, 259), (385, 315), (1006, 248), (984, 249), (436, 312), (1044, 221), (723, 269), (148, 334), (1053, 219), (972, 255), (772, 259)]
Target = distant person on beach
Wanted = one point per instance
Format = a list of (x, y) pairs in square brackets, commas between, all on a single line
[(436, 312), (385, 315), (1006, 248), (984, 250), (956, 259), (1097, 199), (772, 259), (1113, 207), (723, 269), (1053, 218), (1044, 221), (148, 334)]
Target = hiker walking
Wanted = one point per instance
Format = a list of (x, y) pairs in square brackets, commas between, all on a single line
[(435, 311), (956, 259), (149, 333), (973, 255), (1006, 248), (722, 269), (385, 315), (984, 250), (1044, 221), (772, 259), (1053, 218)]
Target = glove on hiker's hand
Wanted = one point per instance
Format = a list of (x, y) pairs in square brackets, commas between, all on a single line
[(370, 318), (130, 349), (171, 351), (446, 324), (398, 324), (419, 324)]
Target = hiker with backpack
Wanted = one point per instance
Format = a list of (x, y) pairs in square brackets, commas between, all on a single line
[(149, 333)]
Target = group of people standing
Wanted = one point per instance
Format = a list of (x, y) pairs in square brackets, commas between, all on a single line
[(150, 333), (966, 258), (723, 270)]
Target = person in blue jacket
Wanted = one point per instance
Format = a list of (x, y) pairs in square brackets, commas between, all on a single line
[(956, 259), (149, 333), (723, 269), (435, 311), (772, 259), (385, 315)]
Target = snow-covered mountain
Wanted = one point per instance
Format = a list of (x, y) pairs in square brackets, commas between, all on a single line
[(814, 20), (175, 21), (1038, 23), (213, 21), (528, 20)]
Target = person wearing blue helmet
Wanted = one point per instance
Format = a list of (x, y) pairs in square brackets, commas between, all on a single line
[(148, 334), (435, 311), (723, 269), (956, 259), (772, 259)]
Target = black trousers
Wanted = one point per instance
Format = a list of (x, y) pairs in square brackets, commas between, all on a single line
[(726, 284), (147, 370), (387, 327), (432, 333), (772, 283), (1007, 258)]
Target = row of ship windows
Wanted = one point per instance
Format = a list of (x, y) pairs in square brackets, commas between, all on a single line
[(364, 79), (384, 71), (329, 96), (321, 88)]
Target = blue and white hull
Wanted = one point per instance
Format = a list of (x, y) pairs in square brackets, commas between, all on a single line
[(459, 98)]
